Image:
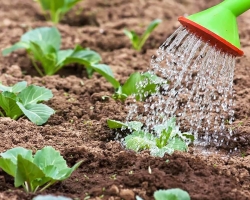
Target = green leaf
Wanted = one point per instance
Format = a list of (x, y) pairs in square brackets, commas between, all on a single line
[(34, 94), (129, 34), (14, 152), (62, 55), (141, 85), (139, 140), (137, 41), (154, 78), (18, 87), (113, 124), (53, 164), (150, 29), (119, 94), (9, 105), (188, 136), (149, 84), (46, 56), (16, 46), (60, 174), (169, 123), (57, 8), (8, 166), (134, 38), (49, 156), (43, 36), (5, 88), (37, 113), (160, 152), (107, 73), (50, 197), (68, 5), (27, 171), (171, 194), (130, 86), (163, 140), (52, 172), (177, 143), (133, 125), (45, 4), (8, 160), (83, 56)]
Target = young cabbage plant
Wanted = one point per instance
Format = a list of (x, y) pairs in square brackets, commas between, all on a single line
[(165, 138), (43, 47), (57, 8), (140, 85), (50, 197), (138, 41), (171, 194), (38, 172), (20, 100)]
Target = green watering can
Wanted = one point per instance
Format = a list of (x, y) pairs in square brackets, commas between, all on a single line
[(218, 25)]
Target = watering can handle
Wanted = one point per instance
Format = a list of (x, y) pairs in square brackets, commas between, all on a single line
[(237, 7)]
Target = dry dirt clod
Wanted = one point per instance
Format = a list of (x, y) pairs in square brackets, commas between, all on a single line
[(127, 194), (114, 190)]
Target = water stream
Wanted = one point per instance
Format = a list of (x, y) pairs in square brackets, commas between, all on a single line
[(198, 92)]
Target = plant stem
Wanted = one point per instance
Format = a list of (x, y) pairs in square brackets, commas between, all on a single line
[(36, 189), (2, 115), (55, 18), (46, 186), (26, 186), (15, 117), (37, 68)]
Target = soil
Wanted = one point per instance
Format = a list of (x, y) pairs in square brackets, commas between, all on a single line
[(79, 129)]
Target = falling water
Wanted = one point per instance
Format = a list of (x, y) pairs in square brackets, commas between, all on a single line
[(198, 89)]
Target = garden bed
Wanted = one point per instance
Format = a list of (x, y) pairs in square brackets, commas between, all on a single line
[(79, 129)]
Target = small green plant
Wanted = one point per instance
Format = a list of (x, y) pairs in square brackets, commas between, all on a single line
[(57, 8), (50, 197), (171, 194), (43, 169), (166, 138), (20, 100), (43, 47), (139, 84), (138, 41)]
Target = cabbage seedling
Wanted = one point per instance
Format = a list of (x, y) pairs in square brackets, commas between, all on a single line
[(138, 41), (57, 8), (43, 46), (166, 137), (140, 85), (171, 194), (20, 100), (50, 197), (43, 169)]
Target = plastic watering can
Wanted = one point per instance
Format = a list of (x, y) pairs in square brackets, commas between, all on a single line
[(218, 25)]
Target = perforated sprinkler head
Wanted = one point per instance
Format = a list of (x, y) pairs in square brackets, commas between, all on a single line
[(218, 25)]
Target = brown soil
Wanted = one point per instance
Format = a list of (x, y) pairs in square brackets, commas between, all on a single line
[(79, 130)]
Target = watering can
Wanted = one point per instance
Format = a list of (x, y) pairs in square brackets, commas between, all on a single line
[(218, 25)]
